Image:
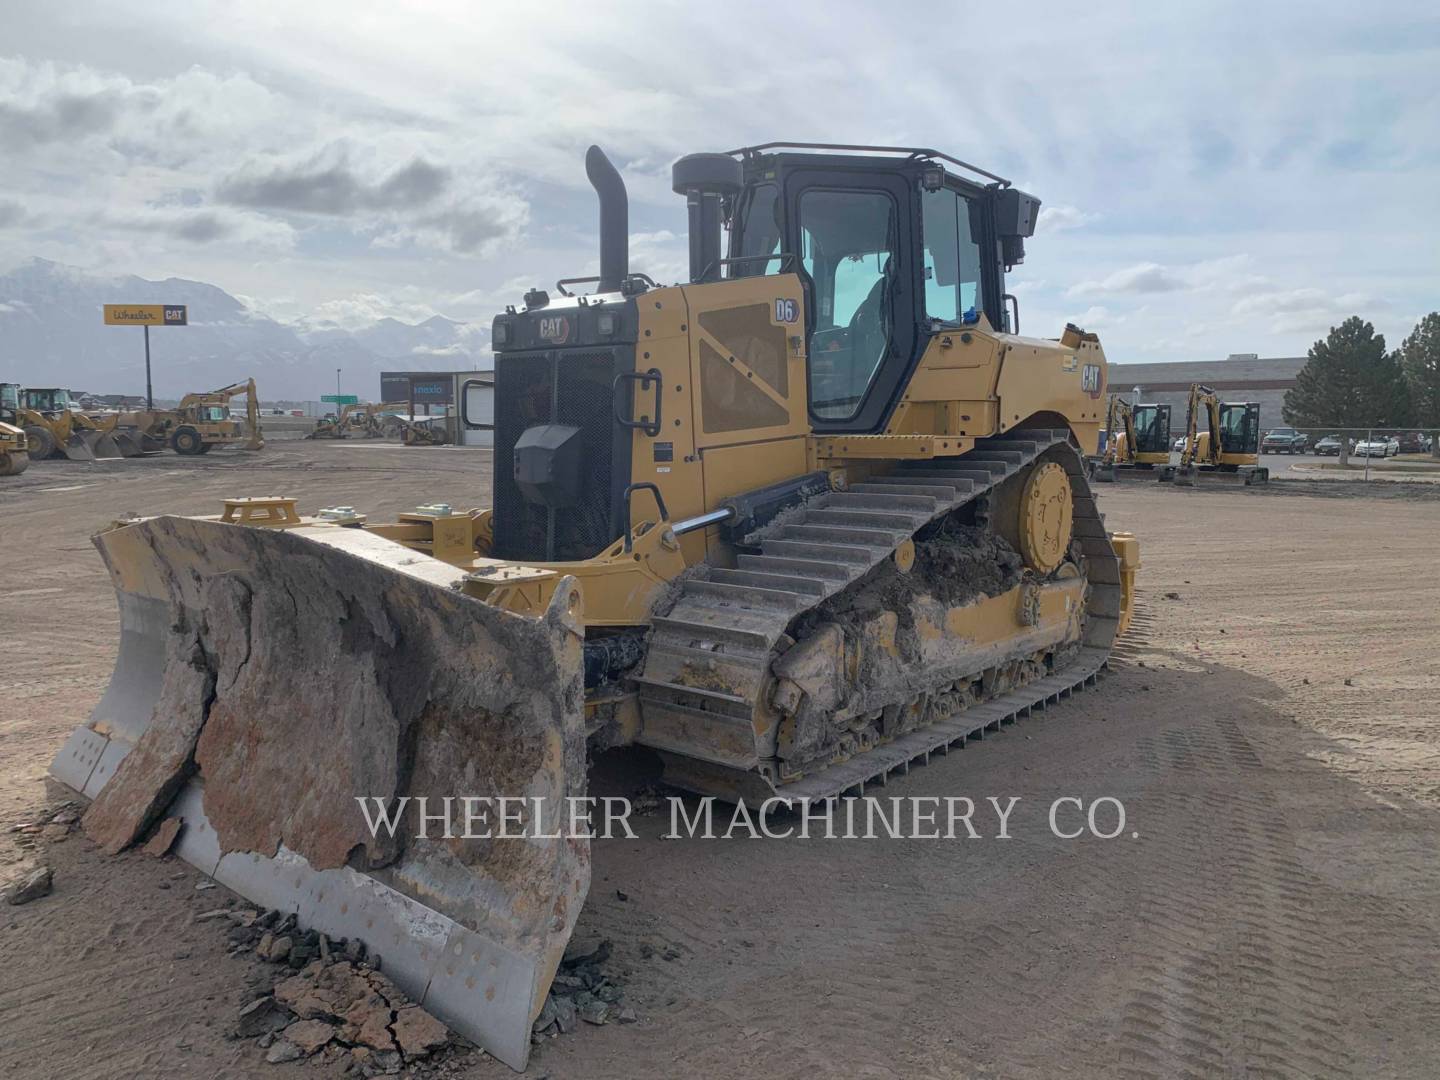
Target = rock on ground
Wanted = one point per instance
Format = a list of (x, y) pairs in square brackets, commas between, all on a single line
[(31, 885), (163, 839)]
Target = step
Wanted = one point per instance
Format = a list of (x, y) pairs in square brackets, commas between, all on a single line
[(982, 473), (716, 697), (836, 534), (664, 655), (1046, 437), (1027, 447), (866, 519), (721, 738), (1009, 458), (743, 596), (835, 553), (916, 503), (756, 579), (943, 495), (771, 564), (745, 634)]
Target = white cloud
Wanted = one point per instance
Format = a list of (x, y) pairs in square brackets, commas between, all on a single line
[(1146, 277), (1306, 310), (1095, 317), (1055, 219)]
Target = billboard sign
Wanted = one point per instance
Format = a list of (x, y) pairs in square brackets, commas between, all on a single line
[(146, 315)]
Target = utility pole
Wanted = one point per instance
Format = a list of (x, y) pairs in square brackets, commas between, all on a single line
[(337, 382)]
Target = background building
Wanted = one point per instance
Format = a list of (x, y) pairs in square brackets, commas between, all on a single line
[(465, 398), (1242, 377)]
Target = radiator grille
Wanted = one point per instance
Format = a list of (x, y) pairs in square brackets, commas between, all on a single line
[(559, 387)]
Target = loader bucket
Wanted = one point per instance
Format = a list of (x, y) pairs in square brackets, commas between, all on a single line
[(129, 442), (268, 679), (89, 444), (80, 445)]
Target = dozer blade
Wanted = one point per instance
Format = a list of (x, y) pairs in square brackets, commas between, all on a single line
[(268, 679)]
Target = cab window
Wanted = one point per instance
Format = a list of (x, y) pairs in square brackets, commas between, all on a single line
[(848, 248), (952, 258)]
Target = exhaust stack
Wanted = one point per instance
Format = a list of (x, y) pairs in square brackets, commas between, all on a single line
[(614, 220)]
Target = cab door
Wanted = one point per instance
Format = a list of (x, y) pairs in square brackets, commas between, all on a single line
[(855, 234)]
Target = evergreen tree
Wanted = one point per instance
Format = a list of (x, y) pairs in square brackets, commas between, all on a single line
[(1349, 381), (1420, 362)]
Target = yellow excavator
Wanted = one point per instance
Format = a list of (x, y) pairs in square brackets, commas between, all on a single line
[(1137, 441), (793, 525), (196, 426), (52, 426), (353, 421), (1229, 447)]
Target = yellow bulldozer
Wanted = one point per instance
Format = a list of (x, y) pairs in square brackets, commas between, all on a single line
[(53, 426), (14, 450), (793, 525), (360, 421), (1137, 441), (1229, 447)]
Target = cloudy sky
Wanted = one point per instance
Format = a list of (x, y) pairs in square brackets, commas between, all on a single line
[(1217, 177)]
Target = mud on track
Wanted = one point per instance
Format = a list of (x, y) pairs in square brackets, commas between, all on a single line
[(1278, 913)]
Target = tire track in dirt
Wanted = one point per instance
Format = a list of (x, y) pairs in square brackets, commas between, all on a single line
[(1242, 942)]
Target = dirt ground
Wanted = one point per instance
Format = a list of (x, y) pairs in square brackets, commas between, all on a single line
[(1271, 908)]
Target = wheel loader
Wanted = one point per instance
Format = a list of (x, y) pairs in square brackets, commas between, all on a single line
[(1229, 447), (52, 427), (14, 450), (1138, 441), (792, 525)]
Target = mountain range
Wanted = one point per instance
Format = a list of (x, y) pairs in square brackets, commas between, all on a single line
[(52, 334)]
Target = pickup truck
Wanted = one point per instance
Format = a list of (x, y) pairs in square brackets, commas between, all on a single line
[(1285, 440)]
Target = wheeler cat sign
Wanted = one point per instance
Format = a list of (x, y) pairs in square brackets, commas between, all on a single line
[(146, 315)]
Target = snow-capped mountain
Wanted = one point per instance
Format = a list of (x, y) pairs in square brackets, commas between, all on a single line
[(52, 334)]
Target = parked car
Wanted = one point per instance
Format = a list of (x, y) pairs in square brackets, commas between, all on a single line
[(1381, 447), (1285, 440), (1329, 446), (1178, 445), (1412, 442)]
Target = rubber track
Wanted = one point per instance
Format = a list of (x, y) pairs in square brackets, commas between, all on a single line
[(733, 620)]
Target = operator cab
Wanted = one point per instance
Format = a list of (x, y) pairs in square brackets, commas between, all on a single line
[(47, 400), (1239, 427), (1152, 429), (893, 245)]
